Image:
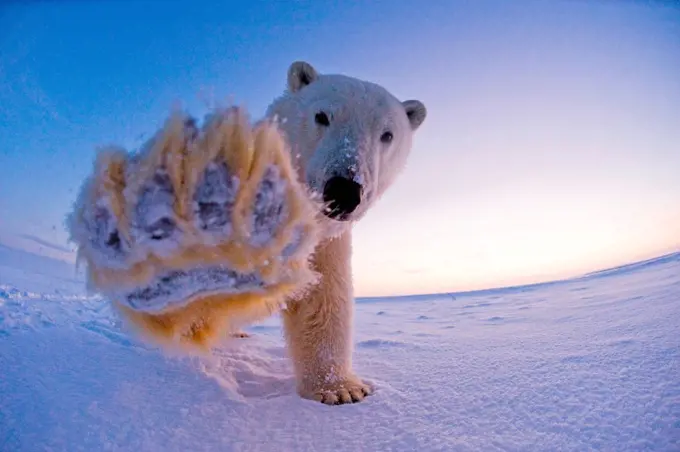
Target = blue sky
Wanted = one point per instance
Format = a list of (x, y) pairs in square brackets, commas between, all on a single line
[(552, 145)]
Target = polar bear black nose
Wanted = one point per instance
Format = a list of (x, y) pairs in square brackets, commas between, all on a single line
[(341, 196)]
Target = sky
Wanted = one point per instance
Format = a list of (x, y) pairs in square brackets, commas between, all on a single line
[(551, 146)]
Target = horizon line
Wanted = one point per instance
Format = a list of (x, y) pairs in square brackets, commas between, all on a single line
[(603, 272)]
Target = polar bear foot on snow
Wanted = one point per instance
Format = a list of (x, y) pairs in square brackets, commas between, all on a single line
[(350, 390)]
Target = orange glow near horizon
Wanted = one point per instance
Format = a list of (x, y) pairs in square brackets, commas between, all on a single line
[(494, 249)]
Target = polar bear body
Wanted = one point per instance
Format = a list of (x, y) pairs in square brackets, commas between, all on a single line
[(207, 229), (349, 140)]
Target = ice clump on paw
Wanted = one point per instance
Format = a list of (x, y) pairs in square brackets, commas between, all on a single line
[(214, 200), (155, 223), (269, 210)]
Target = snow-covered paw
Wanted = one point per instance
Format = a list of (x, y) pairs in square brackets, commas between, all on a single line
[(348, 390), (197, 213)]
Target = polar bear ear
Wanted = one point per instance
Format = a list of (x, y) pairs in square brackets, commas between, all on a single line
[(415, 111), (300, 74)]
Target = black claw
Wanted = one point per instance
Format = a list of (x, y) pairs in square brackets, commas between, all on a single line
[(191, 129), (114, 240), (161, 229)]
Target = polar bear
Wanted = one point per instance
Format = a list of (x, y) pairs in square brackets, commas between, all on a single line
[(205, 230), (350, 139)]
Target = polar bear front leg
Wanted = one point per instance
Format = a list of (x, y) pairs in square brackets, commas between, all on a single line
[(319, 329)]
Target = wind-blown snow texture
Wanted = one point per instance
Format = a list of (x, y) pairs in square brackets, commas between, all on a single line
[(590, 363)]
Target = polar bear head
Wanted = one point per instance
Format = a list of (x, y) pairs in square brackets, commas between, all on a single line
[(349, 138)]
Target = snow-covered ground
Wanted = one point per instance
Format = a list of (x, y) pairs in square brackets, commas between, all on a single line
[(587, 364)]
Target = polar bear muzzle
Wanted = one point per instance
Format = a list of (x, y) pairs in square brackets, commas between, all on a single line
[(341, 197)]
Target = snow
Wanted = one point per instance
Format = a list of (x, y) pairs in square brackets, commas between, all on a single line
[(583, 364)]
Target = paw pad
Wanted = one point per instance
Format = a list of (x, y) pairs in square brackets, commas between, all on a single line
[(154, 216), (214, 200), (269, 209), (178, 287), (103, 233)]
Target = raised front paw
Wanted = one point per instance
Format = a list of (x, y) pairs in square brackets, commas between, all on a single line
[(213, 214), (338, 392)]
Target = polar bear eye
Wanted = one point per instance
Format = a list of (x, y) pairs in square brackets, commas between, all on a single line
[(321, 118), (386, 137)]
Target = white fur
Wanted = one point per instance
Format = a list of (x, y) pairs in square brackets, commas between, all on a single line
[(318, 324), (360, 112)]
